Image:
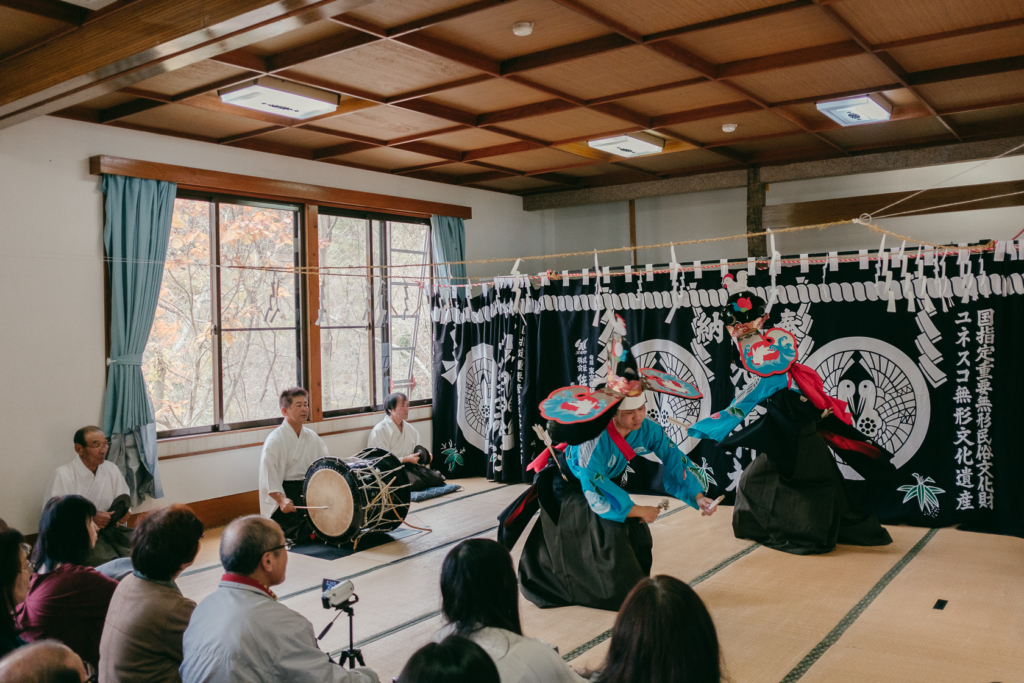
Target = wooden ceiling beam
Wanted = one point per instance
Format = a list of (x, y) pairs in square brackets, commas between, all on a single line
[(524, 112), (539, 87), (421, 167), (153, 37), (50, 9), (620, 112), (360, 25), (434, 89), (689, 115), (327, 47), (483, 177), (430, 150), (729, 20), (251, 134), (884, 59), (495, 167), (214, 104), (971, 30), (498, 150), (242, 59), (127, 109), (450, 51), (960, 71), (785, 60), (438, 111), (433, 19), (602, 19), (339, 150), (147, 94), (560, 178), (565, 53), (685, 57), (645, 91), (426, 134)]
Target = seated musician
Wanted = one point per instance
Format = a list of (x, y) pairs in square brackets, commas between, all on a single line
[(287, 454), (395, 435), (92, 476)]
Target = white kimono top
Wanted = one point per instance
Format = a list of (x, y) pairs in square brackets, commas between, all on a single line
[(399, 443), (519, 659), (286, 457), (239, 634), (77, 479)]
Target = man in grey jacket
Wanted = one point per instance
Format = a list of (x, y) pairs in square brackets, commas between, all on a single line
[(241, 634)]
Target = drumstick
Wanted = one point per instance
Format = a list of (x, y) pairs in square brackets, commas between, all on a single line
[(715, 503), (307, 507)]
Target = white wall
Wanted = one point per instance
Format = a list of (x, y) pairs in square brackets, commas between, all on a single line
[(51, 274)]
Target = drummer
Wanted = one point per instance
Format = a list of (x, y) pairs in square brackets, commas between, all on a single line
[(394, 433), (287, 454)]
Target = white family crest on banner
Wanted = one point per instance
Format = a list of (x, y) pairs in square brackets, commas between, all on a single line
[(483, 390), (884, 389)]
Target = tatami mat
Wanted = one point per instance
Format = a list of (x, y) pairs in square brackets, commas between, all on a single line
[(771, 609)]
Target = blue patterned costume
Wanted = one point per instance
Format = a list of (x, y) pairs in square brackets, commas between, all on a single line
[(599, 463)]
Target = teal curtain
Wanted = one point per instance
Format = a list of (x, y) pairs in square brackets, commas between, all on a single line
[(449, 237), (138, 225)]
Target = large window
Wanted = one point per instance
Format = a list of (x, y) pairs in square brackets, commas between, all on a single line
[(229, 329), (374, 331)]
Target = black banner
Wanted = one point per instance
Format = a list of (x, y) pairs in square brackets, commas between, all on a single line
[(935, 381)]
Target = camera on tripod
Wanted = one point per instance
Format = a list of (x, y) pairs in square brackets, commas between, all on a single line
[(340, 595)]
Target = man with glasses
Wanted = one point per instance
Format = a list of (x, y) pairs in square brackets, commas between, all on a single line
[(92, 476), (240, 633)]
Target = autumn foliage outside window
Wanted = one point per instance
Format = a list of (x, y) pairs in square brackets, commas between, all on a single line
[(227, 336)]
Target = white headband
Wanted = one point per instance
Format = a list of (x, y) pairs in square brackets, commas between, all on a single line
[(633, 402)]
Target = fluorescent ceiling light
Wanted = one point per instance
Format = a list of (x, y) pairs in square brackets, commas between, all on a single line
[(275, 96), (853, 111), (632, 145)]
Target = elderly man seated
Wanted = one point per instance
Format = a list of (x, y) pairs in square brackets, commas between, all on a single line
[(47, 660), (92, 476), (395, 435), (240, 633)]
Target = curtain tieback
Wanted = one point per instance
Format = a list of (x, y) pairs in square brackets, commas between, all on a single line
[(127, 359)]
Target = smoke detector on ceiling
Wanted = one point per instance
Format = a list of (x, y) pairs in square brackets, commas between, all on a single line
[(729, 127), (522, 28)]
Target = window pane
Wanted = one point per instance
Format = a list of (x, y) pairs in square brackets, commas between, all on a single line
[(343, 292), (410, 322), (259, 342), (345, 368), (258, 366), (257, 237), (177, 361)]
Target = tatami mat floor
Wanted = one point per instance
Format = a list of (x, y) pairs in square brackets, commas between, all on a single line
[(856, 614)]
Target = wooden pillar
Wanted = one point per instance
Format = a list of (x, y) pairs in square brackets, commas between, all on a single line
[(757, 244), (311, 310), (632, 227)]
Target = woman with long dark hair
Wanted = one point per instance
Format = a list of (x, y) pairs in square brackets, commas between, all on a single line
[(453, 660), (66, 600), (15, 571), (663, 633), (480, 601)]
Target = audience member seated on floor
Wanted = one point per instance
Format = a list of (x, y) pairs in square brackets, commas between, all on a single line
[(15, 572), (454, 660), (395, 435), (92, 476), (44, 662), (287, 453), (148, 615), (241, 634), (663, 633), (66, 600), (480, 601)]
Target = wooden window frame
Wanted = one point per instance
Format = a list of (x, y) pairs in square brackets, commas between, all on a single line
[(220, 186)]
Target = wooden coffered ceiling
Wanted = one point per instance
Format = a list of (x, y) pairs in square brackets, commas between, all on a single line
[(443, 91)]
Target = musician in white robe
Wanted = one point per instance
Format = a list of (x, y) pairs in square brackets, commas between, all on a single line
[(92, 476), (394, 434), (287, 454)]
